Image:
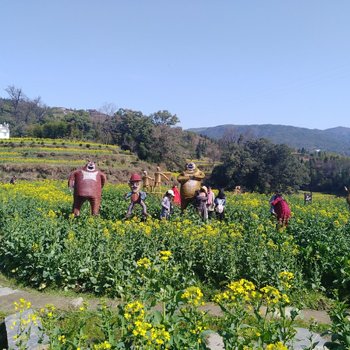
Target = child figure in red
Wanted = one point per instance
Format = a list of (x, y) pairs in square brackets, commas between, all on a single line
[(177, 198), (282, 210)]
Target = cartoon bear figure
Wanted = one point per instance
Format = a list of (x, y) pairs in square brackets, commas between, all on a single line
[(136, 195), (87, 184), (190, 181)]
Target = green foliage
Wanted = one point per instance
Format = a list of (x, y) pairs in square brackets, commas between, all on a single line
[(340, 330), (163, 263), (258, 165), (164, 118), (37, 228)]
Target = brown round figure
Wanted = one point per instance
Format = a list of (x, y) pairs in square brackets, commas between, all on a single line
[(191, 181), (87, 184)]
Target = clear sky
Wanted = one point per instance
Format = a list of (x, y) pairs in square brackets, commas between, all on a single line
[(210, 62)]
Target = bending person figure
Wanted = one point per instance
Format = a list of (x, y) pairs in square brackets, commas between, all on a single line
[(282, 210)]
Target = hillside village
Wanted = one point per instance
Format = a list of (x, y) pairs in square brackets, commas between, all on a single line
[(4, 131)]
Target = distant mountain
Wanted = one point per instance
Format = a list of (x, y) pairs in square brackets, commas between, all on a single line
[(331, 140)]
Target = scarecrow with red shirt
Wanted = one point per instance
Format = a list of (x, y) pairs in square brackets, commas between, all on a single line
[(87, 184)]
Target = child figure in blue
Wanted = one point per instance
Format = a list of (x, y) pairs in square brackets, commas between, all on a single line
[(167, 205)]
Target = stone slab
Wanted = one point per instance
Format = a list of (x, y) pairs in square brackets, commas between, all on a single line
[(35, 338), (215, 342), (4, 291), (304, 338)]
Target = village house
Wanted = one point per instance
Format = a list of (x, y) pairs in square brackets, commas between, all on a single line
[(4, 131)]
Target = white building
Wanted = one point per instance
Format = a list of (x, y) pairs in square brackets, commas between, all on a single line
[(4, 131)]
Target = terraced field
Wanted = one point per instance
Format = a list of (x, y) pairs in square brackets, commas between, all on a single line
[(31, 158)]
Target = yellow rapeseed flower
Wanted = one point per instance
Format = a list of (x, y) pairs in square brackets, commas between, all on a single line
[(103, 346), (276, 346), (165, 255), (144, 263), (193, 296)]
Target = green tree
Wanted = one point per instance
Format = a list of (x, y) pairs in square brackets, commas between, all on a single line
[(79, 125), (132, 130), (164, 118), (261, 166)]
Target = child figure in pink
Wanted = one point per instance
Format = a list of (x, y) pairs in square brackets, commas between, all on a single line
[(177, 198), (282, 210)]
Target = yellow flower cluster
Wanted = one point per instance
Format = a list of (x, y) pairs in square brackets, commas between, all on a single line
[(250, 202), (134, 310), (286, 278), (103, 346), (159, 335), (273, 296), (8, 154), (51, 214), (276, 346), (106, 232), (144, 263), (35, 247), (29, 160), (165, 255), (47, 191), (62, 339), (237, 291), (193, 296), (245, 291), (140, 328), (199, 328), (156, 336), (48, 311), (22, 305)]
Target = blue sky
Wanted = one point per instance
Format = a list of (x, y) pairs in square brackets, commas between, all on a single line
[(209, 62)]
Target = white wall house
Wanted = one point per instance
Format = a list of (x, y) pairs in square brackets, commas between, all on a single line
[(4, 131)]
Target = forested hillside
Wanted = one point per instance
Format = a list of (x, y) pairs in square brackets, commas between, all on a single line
[(240, 157), (335, 140), (153, 138)]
